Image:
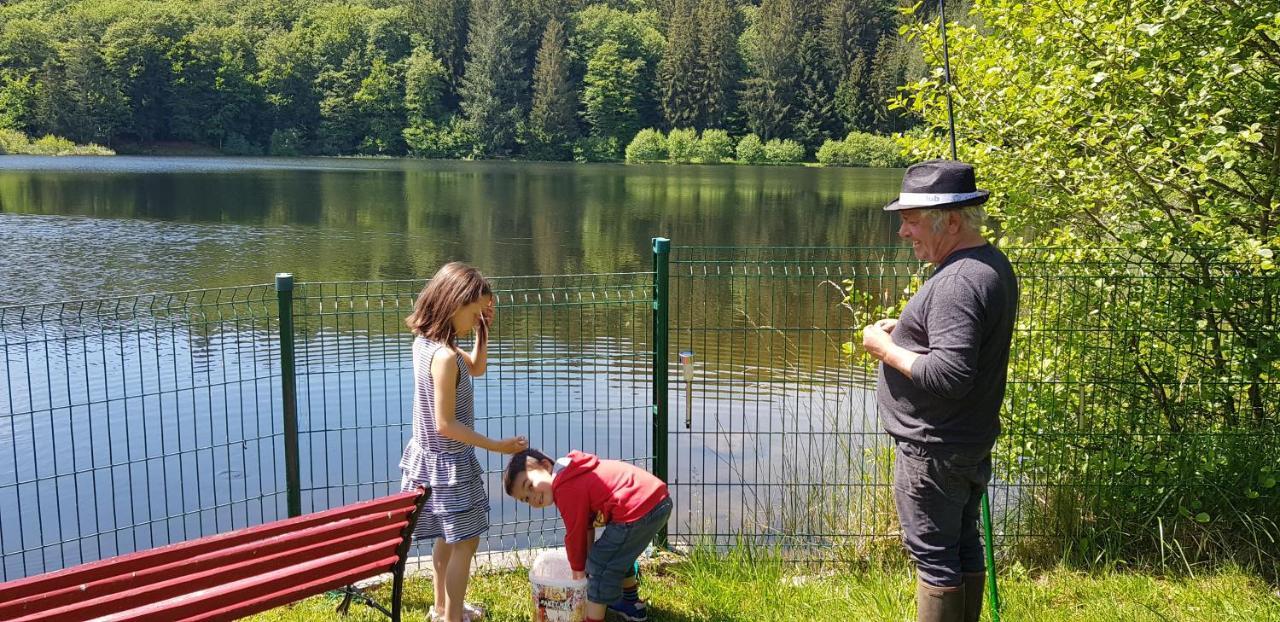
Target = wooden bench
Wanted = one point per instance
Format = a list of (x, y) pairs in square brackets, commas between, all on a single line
[(232, 575)]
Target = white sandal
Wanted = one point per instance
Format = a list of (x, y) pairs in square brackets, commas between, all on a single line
[(470, 613)]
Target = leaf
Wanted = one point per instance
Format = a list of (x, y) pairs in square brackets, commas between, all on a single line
[(1202, 517)]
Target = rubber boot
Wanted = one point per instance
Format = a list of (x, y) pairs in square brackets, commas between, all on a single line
[(939, 604), (975, 585)]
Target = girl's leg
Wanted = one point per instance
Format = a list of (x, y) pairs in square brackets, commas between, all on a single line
[(441, 553), (457, 576)]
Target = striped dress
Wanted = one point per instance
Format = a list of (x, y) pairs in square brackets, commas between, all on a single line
[(458, 508)]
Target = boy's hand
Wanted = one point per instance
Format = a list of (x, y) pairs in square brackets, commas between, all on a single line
[(513, 444), (579, 575)]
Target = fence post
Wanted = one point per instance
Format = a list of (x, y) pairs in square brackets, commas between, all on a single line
[(289, 393), (661, 302)]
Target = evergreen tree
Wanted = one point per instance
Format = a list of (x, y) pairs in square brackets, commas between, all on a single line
[(493, 83), (717, 30), (851, 31), (82, 101), (888, 73), (426, 81), (852, 102), (552, 118), (679, 75), (816, 117), (768, 94), (610, 92), (444, 24)]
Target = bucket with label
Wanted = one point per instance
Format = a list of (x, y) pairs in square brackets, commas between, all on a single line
[(557, 596)]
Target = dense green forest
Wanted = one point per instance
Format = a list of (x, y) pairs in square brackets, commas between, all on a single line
[(545, 79)]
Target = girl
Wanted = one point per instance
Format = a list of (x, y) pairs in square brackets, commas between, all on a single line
[(441, 453)]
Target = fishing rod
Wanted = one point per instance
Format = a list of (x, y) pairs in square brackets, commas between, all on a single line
[(993, 592), (946, 73)]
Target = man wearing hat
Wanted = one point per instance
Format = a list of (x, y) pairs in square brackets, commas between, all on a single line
[(941, 381)]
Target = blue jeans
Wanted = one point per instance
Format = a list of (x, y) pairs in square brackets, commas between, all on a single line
[(613, 556), (938, 489)]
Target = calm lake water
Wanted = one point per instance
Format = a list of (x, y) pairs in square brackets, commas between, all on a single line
[(84, 227), (115, 437)]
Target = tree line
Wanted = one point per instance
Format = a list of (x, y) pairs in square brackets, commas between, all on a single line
[(545, 79)]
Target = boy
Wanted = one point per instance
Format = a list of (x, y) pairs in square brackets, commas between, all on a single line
[(631, 504)]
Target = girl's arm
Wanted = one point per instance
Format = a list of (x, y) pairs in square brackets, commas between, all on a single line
[(478, 359), (444, 371)]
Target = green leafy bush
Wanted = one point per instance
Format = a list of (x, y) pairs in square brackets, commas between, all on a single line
[(649, 145), (682, 145), (751, 150), (783, 151), (714, 147)]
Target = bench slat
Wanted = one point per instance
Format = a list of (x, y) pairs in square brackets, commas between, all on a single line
[(341, 569), (123, 592), (398, 504)]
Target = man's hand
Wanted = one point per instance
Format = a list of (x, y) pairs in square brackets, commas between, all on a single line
[(887, 325), (876, 340), (579, 575)]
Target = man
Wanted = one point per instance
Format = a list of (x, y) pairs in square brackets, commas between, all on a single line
[(941, 381)]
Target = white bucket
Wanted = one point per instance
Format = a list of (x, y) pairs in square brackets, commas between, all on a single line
[(557, 596)]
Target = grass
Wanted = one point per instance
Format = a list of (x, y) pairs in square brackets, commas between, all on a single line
[(745, 586)]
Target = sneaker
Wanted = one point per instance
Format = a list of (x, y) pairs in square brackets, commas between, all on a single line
[(630, 611)]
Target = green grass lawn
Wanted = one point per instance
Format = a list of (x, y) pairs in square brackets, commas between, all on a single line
[(707, 587)]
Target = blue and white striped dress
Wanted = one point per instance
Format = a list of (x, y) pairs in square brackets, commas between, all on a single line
[(458, 508)]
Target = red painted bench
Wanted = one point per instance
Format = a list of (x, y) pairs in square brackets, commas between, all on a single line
[(232, 575)]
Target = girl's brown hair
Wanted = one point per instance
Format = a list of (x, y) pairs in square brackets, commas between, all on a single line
[(454, 286)]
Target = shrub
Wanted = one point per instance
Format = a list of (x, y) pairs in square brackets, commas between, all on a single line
[(750, 150), (862, 149), (832, 153), (649, 145), (429, 139), (13, 141), (714, 147), (52, 145), (287, 142), (783, 151), (596, 149), (682, 145)]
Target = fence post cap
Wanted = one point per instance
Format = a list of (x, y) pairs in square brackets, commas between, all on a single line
[(284, 281), (661, 245)]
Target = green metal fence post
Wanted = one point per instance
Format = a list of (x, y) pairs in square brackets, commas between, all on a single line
[(993, 598), (661, 302), (289, 393)]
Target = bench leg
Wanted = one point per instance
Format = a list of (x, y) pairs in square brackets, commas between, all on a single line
[(397, 591)]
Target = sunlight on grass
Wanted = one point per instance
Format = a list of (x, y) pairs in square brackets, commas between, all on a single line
[(751, 587)]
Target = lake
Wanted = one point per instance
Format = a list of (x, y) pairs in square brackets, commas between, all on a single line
[(172, 432)]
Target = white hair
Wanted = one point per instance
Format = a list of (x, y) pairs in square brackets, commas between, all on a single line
[(971, 216)]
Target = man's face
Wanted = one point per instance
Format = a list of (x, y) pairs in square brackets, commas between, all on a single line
[(927, 244)]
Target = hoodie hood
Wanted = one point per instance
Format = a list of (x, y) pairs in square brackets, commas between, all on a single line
[(579, 464)]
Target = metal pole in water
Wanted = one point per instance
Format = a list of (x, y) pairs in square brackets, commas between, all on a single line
[(686, 363)]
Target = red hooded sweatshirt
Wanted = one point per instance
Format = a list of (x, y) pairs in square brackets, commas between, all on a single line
[(591, 492)]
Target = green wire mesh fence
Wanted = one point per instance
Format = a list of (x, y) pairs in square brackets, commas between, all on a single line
[(1142, 392)]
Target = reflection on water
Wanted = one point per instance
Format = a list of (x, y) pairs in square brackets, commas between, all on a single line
[(138, 421), (75, 228)]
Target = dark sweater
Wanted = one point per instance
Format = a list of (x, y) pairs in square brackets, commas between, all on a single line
[(961, 323)]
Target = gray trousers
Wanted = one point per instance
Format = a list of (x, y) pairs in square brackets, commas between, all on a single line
[(938, 490)]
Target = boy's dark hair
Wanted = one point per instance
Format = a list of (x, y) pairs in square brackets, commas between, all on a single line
[(519, 464)]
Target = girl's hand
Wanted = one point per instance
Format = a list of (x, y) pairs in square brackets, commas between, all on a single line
[(513, 444), (486, 316)]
